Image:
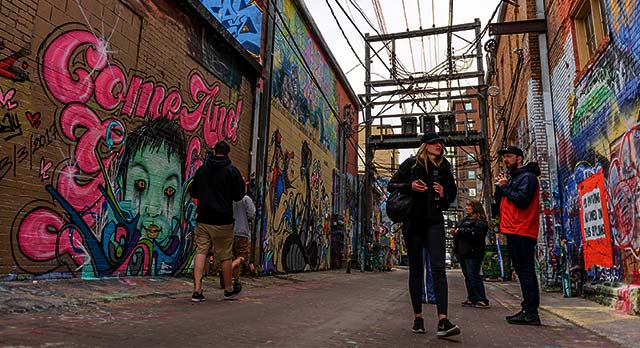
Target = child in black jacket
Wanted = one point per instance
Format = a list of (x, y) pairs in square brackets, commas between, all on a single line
[(469, 245)]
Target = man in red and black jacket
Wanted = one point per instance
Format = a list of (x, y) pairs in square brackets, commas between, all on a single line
[(518, 198)]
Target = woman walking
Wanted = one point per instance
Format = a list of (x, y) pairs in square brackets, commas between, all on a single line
[(469, 245), (428, 178)]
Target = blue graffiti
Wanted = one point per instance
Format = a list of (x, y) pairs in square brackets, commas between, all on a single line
[(242, 18)]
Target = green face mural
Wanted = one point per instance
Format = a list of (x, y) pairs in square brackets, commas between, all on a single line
[(153, 187)]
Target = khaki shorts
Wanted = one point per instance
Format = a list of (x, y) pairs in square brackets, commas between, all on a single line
[(220, 236), (241, 248)]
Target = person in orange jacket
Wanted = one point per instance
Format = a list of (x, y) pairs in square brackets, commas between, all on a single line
[(518, 198)]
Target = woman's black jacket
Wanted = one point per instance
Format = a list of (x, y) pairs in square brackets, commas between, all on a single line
[(427, 206), (469, 242)]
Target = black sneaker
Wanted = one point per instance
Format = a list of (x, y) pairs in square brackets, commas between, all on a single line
[(446, 329), (197, 297), (513, 315), (228, 295), (237, 286), (525, 319), (418, 325)]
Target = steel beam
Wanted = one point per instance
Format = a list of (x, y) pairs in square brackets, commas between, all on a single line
[(518, 27), (426, 79), (435, 113), (424, 32), (415, 91), (420, 100)]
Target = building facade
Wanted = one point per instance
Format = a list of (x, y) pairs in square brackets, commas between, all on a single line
[(591, 53), (109, 109), (311, 153), (112, 106)]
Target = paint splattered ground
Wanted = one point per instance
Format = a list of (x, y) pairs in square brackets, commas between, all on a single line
[(323, 309)]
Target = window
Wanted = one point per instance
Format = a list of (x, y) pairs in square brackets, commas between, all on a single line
[(473, 192), (590, 29), (470, 158), (468, 106), (472, 175), (471, 124)]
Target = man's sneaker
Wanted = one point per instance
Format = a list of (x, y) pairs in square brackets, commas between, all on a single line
[(237, 286), (525, 319), (228, 295), (418, 325), (446, 329), (197, 296), (236, 290), (513, 315)]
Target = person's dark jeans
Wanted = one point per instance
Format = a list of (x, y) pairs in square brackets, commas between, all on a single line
[(522, 252), (431, 237), (472, 279)]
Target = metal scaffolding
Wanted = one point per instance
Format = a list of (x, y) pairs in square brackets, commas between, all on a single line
[(425, 91)]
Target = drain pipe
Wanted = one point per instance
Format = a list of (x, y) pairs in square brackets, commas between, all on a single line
[(552, 151)]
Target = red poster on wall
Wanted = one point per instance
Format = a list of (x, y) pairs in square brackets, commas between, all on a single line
[(594, 222)]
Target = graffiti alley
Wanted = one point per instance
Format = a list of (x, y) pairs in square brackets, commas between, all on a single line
[(518, 118)]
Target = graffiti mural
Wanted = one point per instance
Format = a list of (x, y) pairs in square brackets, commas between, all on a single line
[(242, 18), (12, 66), (597, 131), (116, 203), (296, 235), (294, 87)]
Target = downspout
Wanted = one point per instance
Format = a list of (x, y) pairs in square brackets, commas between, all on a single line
[(261, 133), (552, 151)]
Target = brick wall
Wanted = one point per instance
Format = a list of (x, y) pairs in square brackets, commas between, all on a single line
[(306, 111), (109, 107), (596, 117)]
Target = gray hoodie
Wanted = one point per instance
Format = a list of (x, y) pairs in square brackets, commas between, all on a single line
[(243, 211)]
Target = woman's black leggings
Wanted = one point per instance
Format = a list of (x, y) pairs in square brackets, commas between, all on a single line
[(415, 239)]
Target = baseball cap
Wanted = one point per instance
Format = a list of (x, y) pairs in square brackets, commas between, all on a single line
[(511, 149), (430, 138)]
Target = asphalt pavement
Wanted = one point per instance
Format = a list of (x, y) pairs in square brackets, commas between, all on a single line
[(316, 309)]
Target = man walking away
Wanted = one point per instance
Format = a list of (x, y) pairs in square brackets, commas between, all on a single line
[(244, 211), (216, 184), (518, 197)]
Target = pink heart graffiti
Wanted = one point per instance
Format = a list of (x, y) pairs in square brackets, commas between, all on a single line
[(44, 167), (5, 99)]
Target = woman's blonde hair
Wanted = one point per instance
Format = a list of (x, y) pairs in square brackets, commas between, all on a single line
[(421, 155), (477, 211)]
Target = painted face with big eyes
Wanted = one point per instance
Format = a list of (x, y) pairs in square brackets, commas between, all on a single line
[(154, 187)]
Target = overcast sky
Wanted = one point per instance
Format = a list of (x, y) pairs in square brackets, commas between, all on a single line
[(464, 11)]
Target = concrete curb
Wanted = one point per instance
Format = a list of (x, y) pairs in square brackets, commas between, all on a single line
[(600, 320)]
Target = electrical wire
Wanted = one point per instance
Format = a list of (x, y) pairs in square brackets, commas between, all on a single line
[(300, 56)]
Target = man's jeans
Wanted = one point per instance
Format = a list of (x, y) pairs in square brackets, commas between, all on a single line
[(522, 252)]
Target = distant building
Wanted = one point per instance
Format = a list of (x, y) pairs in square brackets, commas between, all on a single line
[(386, 162)]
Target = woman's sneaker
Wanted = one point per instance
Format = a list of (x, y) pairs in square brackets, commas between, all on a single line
[(197, 296), (418, 325), (446, 329)]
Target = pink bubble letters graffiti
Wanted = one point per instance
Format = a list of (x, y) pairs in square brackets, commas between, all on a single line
[(97, 103), (108, 85)]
